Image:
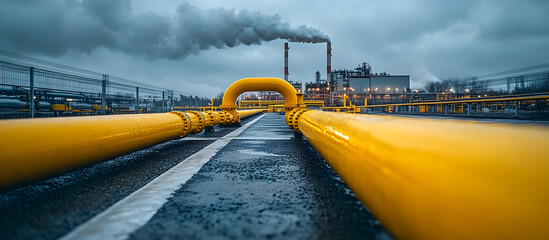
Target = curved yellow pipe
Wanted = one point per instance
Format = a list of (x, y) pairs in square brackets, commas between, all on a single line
[(259, 84), (440, 179)]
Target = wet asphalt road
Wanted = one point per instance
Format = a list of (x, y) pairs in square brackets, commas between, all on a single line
[(262, 185), (258, 188), (49, 209)]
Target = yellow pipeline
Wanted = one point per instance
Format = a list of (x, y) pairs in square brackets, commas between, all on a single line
[(259, 84), (33, 149), (247, 113), (440, 179)]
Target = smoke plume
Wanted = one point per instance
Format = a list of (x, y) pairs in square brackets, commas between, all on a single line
[(58, 26)]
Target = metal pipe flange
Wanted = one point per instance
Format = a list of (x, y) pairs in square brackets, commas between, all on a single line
[(186, 123)]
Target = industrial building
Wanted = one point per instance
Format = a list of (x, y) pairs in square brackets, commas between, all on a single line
[(359, 82)]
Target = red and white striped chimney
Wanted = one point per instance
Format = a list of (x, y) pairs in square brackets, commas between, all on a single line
[(286, 61), (329, 63)]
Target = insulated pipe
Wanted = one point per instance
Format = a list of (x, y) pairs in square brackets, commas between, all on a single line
[(259, 84), (32, 149), (440, 179)]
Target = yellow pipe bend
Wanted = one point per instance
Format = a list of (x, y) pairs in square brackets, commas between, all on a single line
[(440, 179), (259, 84)]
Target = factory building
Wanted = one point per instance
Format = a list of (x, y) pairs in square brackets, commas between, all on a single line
[(363, 80), (359, 82)]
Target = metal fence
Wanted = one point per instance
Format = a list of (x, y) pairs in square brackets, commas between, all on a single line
[(35, 88)]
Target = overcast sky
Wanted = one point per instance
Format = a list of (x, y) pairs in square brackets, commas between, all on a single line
[(201, 47)]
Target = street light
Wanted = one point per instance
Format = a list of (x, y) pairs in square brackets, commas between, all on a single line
[(259, 98), (213, 102)]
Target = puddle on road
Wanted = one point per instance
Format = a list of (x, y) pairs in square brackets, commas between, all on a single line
[(257, 153), (254, 142)]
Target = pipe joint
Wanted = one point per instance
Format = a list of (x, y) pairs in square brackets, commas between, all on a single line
[(215, 118), (292, 117), (186, 123), (199, 122), (231, 117)]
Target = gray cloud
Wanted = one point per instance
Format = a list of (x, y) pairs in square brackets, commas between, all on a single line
[(427, 39), (56, 27)]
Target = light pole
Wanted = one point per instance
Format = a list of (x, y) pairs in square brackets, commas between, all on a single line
[(213, 102)]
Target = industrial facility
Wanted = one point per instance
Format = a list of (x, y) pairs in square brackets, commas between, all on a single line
[(358, 83), (327, 120)]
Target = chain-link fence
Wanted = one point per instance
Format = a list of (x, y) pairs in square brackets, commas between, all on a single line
[(34, 88)]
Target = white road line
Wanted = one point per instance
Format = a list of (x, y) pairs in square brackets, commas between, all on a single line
[(200, 139), (263, 138), (135, 210)]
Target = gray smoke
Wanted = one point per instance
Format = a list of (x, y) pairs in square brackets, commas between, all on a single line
[(56, 27)]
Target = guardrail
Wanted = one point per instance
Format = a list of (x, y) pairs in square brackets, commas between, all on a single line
[(463, 105)]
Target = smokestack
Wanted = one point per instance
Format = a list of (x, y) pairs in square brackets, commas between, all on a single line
[(286, 61), (329, 63)]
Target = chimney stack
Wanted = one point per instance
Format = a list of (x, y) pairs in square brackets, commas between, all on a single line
[(329, 63), (286, 61)]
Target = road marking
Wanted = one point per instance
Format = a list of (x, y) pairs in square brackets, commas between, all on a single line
[(135, 210), (263, 138), (200, 139)]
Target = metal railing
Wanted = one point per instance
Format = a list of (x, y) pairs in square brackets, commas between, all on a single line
[(35, 88)]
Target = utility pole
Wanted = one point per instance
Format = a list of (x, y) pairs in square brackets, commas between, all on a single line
[(104, 94), (31, 92)]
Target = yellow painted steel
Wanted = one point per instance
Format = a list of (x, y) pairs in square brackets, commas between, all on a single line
[(259, 84), (247, 113), (215, 118), (33, 149), (255, 103), (200, 121), (440, 179)]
